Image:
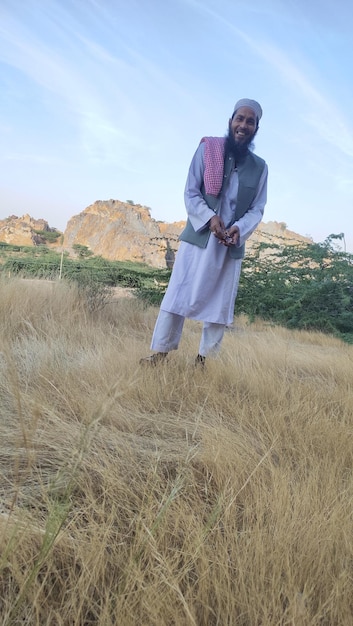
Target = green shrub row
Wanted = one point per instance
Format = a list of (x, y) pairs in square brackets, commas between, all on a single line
[(306, 287), (89, 270)]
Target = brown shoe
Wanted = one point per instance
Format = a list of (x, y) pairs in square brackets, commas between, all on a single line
[(153, 359)]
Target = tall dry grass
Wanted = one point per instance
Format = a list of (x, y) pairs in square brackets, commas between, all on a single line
[(171, 496)]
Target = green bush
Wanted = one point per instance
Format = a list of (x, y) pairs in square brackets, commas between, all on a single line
[(49, 235), (306, 287)]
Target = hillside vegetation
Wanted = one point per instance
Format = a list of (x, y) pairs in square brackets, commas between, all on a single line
[(170, 496), (307, 286)]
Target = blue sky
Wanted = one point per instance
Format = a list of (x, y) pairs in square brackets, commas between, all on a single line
[(109, 99)]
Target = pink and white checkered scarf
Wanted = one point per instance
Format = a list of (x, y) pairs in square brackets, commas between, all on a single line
[(214, 164)]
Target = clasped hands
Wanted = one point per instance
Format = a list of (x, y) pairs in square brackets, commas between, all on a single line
[(227, 237)]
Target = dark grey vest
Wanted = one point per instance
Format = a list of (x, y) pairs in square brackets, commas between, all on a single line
[(249, 174)]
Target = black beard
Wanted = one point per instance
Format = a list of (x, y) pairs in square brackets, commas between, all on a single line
[(239, 151)]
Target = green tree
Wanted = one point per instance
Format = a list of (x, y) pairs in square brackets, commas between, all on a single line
[(82, 251), (308, 287)]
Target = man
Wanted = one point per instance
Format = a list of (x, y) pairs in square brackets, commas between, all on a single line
[(225, 196)]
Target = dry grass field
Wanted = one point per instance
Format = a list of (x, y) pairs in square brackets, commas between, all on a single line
[(170, 496)]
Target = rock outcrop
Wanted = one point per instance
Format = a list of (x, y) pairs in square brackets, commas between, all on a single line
[(25, 231), (277, 233), (122, 231)]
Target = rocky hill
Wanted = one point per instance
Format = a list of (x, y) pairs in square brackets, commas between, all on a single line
[(26, 231), (121, 231)]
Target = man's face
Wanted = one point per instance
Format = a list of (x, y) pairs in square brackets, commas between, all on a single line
[(243, 126)]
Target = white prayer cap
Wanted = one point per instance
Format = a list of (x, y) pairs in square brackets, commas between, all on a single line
[(252, 104)]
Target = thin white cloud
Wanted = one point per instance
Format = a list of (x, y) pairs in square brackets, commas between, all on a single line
[(321, 107), (102, 93), (77, 86), (30, 157)]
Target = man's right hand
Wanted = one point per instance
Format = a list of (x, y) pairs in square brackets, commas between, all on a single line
[(217, 227)]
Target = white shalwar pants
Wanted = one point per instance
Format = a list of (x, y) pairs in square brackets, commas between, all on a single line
[(169, 327)]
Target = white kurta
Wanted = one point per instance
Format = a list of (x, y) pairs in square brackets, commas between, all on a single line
[(204, 281)]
